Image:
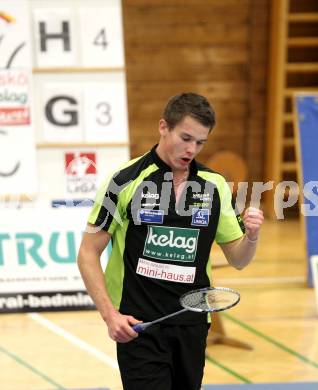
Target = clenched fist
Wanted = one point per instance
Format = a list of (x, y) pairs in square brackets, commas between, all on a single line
[(253, 219)]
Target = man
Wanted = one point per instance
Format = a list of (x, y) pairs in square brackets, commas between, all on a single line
[(162, 212)]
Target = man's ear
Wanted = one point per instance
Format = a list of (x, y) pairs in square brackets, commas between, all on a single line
[(163, 127)]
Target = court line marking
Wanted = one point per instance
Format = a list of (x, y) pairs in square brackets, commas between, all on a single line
[(264, 281), (227, 369), (31, 368), (103, 357), (271, 340)]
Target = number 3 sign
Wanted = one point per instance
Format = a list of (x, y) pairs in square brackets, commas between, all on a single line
[(105, 110)]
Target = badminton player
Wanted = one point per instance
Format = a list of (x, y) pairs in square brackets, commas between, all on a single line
[(162, 212)]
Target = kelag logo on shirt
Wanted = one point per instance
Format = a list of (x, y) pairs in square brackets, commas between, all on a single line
[(171, 243)]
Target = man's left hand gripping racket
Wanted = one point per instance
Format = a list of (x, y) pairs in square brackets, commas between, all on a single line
[(205, 300)]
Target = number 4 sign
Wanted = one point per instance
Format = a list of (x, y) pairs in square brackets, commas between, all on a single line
[(102, 36)]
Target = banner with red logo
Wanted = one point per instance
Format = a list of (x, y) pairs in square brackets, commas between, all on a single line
[(14, 97), (18, 173), (75, 173), (81, 174)]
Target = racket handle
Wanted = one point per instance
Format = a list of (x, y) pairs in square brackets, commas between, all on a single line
[(141, 327)]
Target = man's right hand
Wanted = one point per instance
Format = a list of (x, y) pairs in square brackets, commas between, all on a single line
[(120, 327)]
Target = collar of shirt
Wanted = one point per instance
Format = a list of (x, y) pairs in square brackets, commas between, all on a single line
[(166, 168)]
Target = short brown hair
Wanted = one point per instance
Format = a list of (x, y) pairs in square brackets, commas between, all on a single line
[(191, 104)]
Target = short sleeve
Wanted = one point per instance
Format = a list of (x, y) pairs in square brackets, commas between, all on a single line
[(107, 212), (230, 226)]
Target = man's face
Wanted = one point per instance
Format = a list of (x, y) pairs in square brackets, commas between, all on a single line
[(179, 146)]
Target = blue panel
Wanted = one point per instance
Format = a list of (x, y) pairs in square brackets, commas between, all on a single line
[(307, 117)]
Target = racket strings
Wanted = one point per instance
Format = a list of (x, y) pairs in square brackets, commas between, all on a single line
[(211, 300), (196, 300), (219, 300)]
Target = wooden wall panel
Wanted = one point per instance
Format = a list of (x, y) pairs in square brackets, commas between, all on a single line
[(205, 46), (257, 82)]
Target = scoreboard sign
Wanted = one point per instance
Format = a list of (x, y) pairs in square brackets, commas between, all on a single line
[(78, 35)]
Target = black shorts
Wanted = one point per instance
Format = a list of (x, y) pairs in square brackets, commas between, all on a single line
[(169, 357)]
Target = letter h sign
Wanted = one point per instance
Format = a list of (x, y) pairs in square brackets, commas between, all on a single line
[(54, 37)]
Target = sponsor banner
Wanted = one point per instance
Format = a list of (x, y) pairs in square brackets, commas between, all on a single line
[(54, 186), (18, 173), (171, 243), (45, 301), (54, 33), (164, 271), (102, 37), (81, 173), (15, 42), (14, 97), (38, 254), (14, 116)]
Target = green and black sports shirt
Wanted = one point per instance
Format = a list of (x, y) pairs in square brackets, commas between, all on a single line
[(161, 249)]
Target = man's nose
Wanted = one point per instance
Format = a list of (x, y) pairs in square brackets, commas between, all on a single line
[(192, 147)]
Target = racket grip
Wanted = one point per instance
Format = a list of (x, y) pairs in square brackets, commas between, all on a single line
[(141, 327)]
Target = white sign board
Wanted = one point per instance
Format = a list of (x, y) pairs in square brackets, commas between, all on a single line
[(106, 110), (60, 112), (15, 40), (18, 173), (54, 34), (81, 121), (102, 40), (68, 184), (89, 109), (38, 250)]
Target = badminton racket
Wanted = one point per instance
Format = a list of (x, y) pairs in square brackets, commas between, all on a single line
[(204, 300)]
